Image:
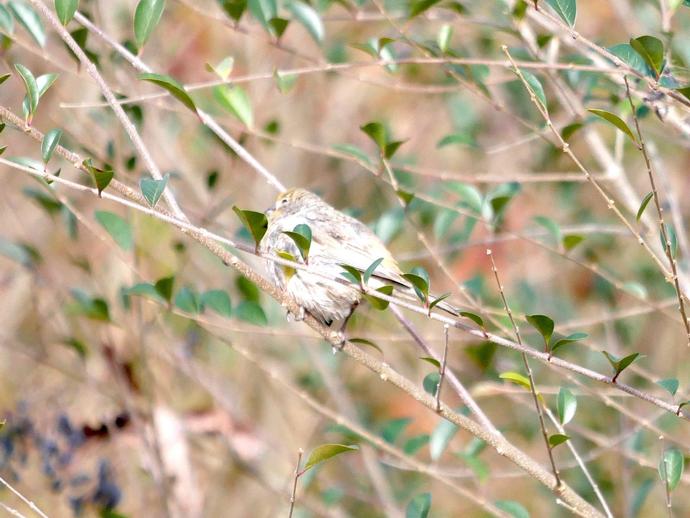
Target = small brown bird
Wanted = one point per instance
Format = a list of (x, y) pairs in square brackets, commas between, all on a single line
[(336, 239)]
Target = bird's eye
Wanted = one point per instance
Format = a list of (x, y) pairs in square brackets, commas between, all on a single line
[(284, 201)]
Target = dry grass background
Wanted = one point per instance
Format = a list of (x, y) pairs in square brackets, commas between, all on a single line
[(212, 434)]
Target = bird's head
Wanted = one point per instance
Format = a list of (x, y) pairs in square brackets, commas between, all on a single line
[(290, 202)]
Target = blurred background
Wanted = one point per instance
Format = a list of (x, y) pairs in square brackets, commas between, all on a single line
[(193, 399)]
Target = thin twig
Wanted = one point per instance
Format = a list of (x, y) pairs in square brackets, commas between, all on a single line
[(28, 502), (204, 117), (610, 203), (127, 124), (442, 371), (532, 385), (297, 474), (660, 213)]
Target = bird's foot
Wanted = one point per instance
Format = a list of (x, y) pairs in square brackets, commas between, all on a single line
[(337, 339), (296, 317)]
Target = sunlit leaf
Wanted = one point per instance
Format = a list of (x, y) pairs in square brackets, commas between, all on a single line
[(652, 51), (517, 378), (327, 451), (557, 438), (310, 18), (566, 404), (236, 101)]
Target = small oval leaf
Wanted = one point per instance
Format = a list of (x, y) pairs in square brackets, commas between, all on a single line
[(327, 451), (172, 86), (615, 120)]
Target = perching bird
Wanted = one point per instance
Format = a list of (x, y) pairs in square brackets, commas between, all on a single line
[(336, 239)]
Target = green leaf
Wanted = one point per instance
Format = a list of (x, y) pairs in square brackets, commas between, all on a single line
[(672, 238), (251, 312), (277, 26), (574, 337), (263, 11), (172, 86), (620, 364), (145, 289), (535, 86), (551, 227), (351, 273), (517, 378), (566, 9), (419, 279), (513, 508), (640, 496), (3, 78), (30, 86), (393, 428), (643, 205), (77, 345), (685, 91), (50, 142), (431, 382), (438, 300), (631, 58), (188, 300), (164, 287), (473, 317), (285, 81), (6, 21), (18, 252), (301, 236), (414, 444), (671, 467), (354, 151), (432, 361), (419, 506), (28, 19), (91, 307), (364, 341), (544, 325), (218, 301), (371, 269), (223, 69), (566, 404), (119, 229), (255, 222), (569, 130), (152, 188), (376, 132), (417, 7), (234, 8), (652, 51), (570, 241), (101, 177), (378, 303), (445, 33), (469, 194), (65, 10), (441, 436), (236, 101), (615, 120), (670, 385), (146, 17), (307, 16), (405, 196), (558, 438), (391, 148), (289, 271), (455, 138), (327, 451)]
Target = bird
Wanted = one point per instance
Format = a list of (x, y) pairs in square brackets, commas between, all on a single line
[(336, 239)]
